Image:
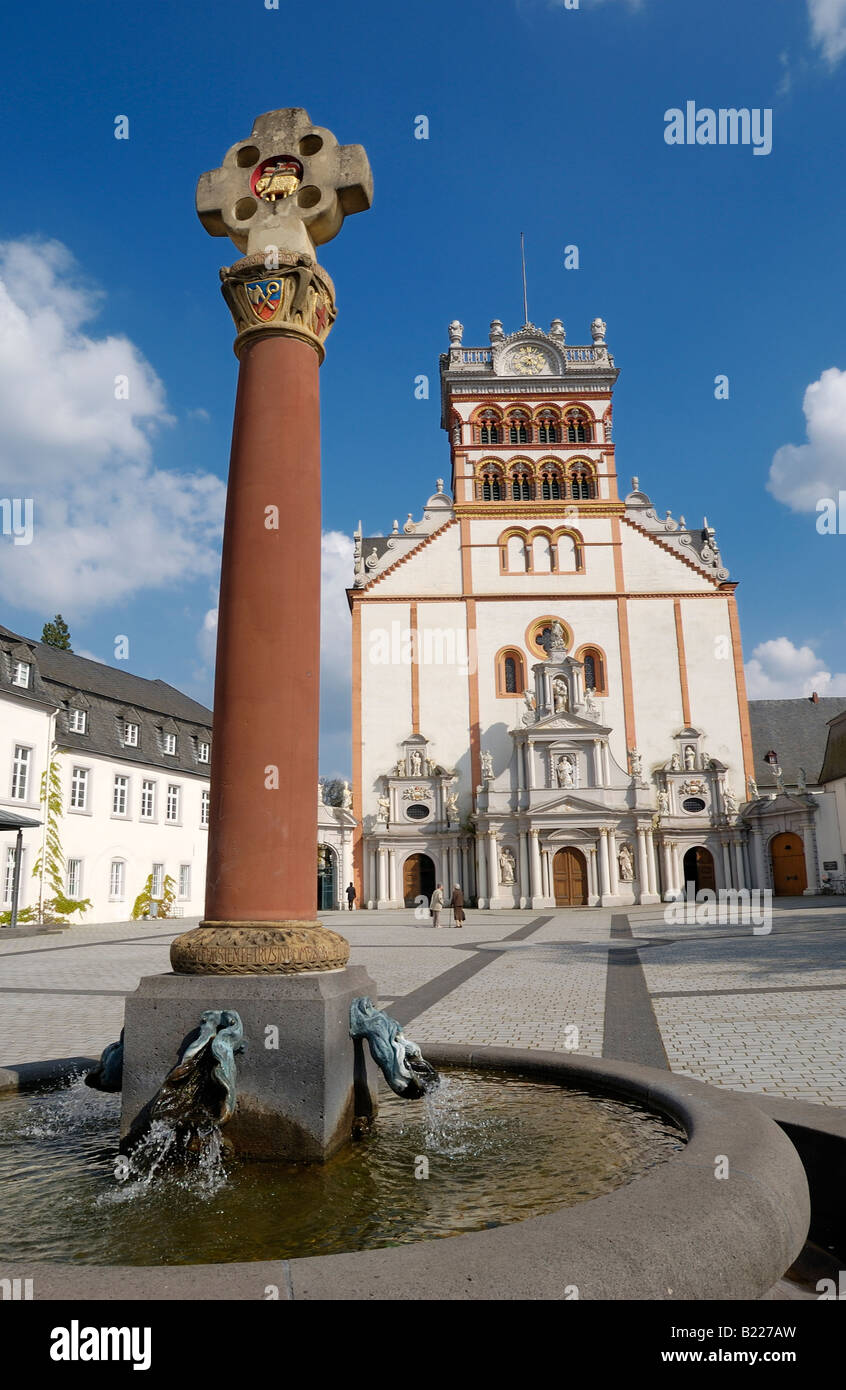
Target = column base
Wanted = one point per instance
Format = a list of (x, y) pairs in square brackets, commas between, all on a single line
[(611, 900), (258, 948), (649, 898), (539, 901)]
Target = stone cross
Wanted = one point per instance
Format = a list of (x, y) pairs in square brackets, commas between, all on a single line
[(289, 186)]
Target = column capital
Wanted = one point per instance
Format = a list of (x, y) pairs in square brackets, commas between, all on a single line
[(294, 299)]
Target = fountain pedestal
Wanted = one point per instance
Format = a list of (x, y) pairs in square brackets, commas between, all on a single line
[(301, 1079)]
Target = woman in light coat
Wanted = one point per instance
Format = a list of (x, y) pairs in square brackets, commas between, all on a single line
[(436, 904)]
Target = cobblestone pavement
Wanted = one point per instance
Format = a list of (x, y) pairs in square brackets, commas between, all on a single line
[(763, 1013)]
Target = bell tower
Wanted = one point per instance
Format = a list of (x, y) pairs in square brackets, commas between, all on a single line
[(530, 420)]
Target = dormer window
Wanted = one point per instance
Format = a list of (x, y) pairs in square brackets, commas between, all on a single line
[(203, 751), (21, 674), (169, 744), (130, 734), (77, 720)]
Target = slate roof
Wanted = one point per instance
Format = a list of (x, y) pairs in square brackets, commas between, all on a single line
[(797, 730), (110, 697)]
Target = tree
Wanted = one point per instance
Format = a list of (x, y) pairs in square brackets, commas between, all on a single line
[(333, 791), (144, 901), (57, 634)]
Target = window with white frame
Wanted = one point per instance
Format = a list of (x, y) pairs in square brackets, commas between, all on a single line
[(78, 720), (172, 812), (73, 878), (20, 772), (148, 800), (169, 743), (158, 881), (184, 880), (117, 879), (130, 734), (204, 807), (120, 796), (20, 674), (203, 751), (79, 789), (9, 876)]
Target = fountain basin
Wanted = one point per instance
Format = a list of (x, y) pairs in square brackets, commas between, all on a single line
[(677, 1232)]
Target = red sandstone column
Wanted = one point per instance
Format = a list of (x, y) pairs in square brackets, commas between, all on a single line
[(277, 195), (262, 863)]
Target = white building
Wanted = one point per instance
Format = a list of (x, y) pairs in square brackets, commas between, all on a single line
[(548, 696), (132, 757)]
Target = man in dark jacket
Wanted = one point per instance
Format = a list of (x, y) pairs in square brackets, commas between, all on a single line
[(350, 896), (456, 902)]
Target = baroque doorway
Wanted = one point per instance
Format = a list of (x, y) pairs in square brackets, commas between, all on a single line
[(418, 879), (699, 870), (790, 874), (569, 878)]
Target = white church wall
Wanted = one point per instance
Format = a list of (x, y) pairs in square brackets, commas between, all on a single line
[(650, 569), (711, 681), (447, 657), (655, 679), (434, 569), (386, 692)]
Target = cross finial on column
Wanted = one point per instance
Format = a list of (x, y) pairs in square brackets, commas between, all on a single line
[(289, 186)]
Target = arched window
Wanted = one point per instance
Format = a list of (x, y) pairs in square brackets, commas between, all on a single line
[(521, 483), (510, 673), (515, 556), (542, 554), (519, 429), (581, 481), (491, 485), (578, 427), (594, 670), (550, 483), (489, 428), (548, 432)]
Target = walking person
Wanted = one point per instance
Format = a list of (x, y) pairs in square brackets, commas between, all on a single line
[(456, 902), (436, 904), (350, 896)]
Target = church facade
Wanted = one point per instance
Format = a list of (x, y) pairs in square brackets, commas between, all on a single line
[(548, 696)]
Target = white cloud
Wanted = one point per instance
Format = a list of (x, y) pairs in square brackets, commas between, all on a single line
[(828, 27), (778, 670), (801, 474), (108, 521)]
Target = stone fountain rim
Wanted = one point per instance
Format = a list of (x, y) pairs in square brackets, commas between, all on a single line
[(677, 1232)]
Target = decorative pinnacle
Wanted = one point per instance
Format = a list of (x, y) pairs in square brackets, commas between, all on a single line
[(288, 187)]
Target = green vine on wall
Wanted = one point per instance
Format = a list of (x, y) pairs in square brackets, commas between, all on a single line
[(58, 908), (145, 899)]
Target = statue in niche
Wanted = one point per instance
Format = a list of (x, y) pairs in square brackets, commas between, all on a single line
[(452, 806), (753, 789), (507, 866), (565, 770), (730, 800), (689, 757), (487, 765), (675, 763), (560, 696), (384, 809), (626, 863), (636, 762), (416, 763), (663, 803)]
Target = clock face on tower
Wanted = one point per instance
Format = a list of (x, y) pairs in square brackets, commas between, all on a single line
[(528, 361)]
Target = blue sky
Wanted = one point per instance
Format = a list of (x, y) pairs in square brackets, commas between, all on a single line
[(704, 260)]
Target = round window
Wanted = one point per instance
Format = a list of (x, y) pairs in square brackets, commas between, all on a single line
[(418, 811), (693, 803)]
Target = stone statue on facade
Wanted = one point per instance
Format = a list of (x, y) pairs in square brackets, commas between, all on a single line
[(400, 769), (507, 866), (384, 809), (675, 763), (730, 800), (452, 807), (689, 757), (591, 706), (560, 696), (753, 789), (663, 803), (346, 796), (416, 763), (531, 708), (487, 765), (626, 863), (636, 763), (565, 771)]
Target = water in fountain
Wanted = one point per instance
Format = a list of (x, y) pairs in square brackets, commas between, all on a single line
[(482, 1150)]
